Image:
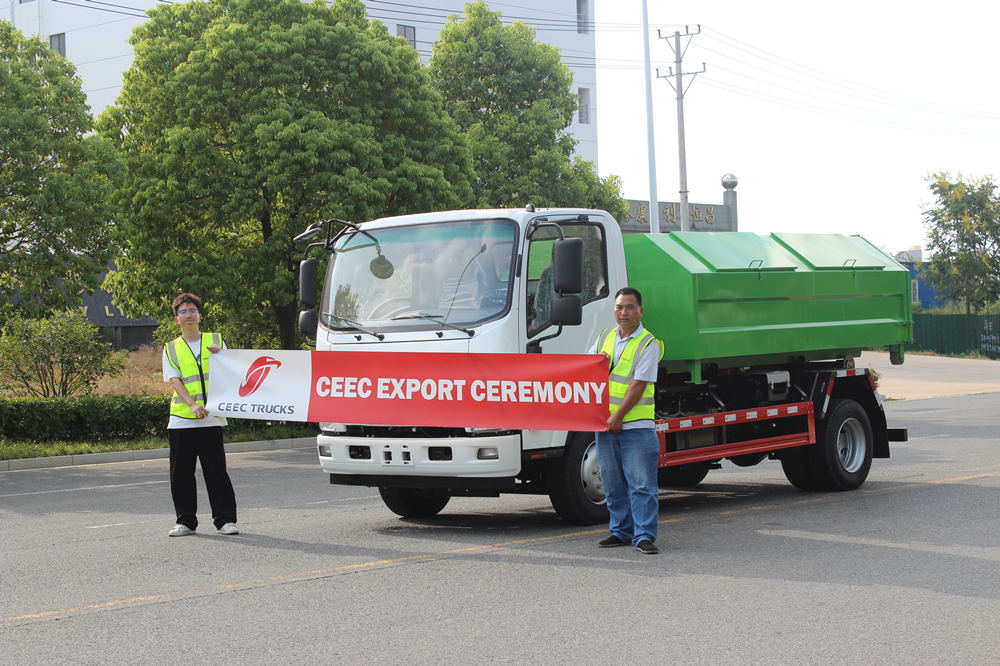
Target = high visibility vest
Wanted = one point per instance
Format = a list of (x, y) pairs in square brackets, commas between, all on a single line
[(193, 375), (623, 373)]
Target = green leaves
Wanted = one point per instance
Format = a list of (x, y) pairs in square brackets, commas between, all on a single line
[(242, 121), (964, 237), (60, 355), (512, 97), (55, 180)]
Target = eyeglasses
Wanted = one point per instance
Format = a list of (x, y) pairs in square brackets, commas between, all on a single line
[(181, 313)]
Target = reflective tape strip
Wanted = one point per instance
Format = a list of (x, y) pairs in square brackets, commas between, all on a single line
[(621, 379), (643, 402), (172, 355)]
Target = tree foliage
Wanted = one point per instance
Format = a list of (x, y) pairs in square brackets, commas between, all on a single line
[(512, 97), (59, 355), (963, 228), (55, 180), (242, 121)]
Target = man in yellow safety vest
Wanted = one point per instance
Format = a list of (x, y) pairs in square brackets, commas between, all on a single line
[(193, 433), (628, 450)]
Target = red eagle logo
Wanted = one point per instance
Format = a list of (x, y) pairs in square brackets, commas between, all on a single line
[(256, 374)]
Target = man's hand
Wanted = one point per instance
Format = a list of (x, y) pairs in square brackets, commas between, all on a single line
[(215, 349), (614, 423)]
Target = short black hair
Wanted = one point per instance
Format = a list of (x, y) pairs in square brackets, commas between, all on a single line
[(629, 291), (185, 298)]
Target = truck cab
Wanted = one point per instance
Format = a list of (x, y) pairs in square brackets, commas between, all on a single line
[(475, 281)]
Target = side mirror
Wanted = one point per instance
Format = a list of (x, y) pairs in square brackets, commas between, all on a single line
[(566, 310), (567, 266), (308, 322), (307, 284)]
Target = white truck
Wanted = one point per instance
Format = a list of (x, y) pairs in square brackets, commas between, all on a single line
[(760, 335)]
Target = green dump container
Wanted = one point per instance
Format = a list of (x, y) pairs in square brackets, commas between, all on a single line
[(734, 299)]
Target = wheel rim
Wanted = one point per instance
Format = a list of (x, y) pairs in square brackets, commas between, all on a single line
[(590, 475), (851, 445)]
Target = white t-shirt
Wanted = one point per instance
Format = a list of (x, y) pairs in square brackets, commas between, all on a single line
[(176, 422), (644, 365)]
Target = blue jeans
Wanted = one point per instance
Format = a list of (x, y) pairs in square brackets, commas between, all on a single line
[(629, 461)]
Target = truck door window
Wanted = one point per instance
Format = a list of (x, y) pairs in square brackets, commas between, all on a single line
[(539, 291)]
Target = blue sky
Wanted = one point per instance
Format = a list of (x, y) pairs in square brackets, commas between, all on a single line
[(830, 114)]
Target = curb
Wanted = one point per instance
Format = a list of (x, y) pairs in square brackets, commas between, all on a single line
[(146, 454)]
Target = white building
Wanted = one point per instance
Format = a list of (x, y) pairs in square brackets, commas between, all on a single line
[(94, 36)]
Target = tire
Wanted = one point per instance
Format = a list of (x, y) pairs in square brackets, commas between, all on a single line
[(795, 465), (842, 455), (682, 476), (415, 502), (574, 482)]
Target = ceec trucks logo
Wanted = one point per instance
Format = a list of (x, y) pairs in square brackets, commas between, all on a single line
[(256, 375)]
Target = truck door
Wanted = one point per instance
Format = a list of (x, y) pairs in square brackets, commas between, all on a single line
[(539, 291)]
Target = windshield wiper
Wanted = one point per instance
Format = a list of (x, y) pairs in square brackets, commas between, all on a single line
[(354, 325), (436, 318)]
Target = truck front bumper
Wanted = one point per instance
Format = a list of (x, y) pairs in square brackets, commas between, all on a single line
[(481, 457)]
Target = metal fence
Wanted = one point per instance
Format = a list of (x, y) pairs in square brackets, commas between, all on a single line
[(957, 334)]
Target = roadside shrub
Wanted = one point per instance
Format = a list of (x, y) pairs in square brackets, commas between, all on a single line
[(61, 355), (102, 418)]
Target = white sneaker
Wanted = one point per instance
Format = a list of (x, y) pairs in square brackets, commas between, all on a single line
[(229, 528), (180, 530)]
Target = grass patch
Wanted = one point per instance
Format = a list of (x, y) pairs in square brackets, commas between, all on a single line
[(16, 450)]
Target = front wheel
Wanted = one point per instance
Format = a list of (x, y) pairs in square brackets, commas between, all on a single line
[(842, 455), (574, 482), (415, 502)]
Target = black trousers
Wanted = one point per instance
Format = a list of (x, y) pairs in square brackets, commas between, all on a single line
[(188, 445)]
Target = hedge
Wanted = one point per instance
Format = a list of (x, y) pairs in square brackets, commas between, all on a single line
[(101, 418)]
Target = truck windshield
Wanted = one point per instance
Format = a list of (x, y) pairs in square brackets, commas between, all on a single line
[(420, 277)]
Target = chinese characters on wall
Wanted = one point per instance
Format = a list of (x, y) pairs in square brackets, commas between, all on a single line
[(704, 217)]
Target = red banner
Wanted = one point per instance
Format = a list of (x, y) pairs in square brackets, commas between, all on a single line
[(530, 391), (516, 391)]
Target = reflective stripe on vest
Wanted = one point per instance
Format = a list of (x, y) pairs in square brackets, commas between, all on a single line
[(193, 375), (623, 373)]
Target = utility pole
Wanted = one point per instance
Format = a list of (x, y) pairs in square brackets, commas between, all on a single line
[(678, 86), (654, 202)]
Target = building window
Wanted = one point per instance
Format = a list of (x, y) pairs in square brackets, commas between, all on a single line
[(58, 43), (24, 2), (409, 33), (584, 111), (914, 291), (583, 22)]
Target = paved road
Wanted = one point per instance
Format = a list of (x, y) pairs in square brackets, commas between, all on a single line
[(904, 570)]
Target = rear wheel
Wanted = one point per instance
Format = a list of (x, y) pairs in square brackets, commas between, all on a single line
[(795, 465), (842, 455), (574, 482), (682, 476), (415, 502)]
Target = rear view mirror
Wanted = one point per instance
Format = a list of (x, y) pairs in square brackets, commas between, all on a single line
[(567, 265), (307, 283)]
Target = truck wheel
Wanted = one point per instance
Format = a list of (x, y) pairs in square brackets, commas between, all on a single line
[(574, 482), (682, 476), (795, 465), (415, 502), (842, 455)]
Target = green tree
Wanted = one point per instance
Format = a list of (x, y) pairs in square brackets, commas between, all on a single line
[(512, 97), (55, 180), (963, 228), (59, 355), (242, 121)]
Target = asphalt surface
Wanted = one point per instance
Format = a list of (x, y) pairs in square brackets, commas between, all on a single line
[(903, 570)]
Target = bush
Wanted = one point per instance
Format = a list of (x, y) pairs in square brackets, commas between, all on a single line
[(103, 418), (60, 355)]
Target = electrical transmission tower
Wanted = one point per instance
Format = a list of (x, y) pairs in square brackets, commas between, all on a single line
[(678, 85)]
